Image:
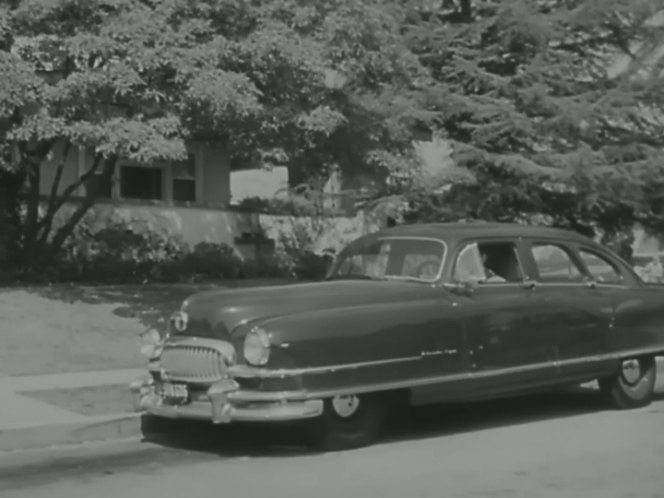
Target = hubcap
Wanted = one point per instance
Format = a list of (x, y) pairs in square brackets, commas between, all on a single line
[(631, 371), (345, 406)]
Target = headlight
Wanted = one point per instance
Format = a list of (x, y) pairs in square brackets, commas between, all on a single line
[(257, 347)]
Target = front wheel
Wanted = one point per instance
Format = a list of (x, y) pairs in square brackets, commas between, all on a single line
[(633, 386), (348, 422)]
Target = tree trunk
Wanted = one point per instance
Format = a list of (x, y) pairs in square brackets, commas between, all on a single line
[(31, 161), (11, 198)]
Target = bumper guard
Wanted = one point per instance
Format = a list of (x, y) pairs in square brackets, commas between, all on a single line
[(225, 402)]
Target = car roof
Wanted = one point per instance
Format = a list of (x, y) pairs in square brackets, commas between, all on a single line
[(463, 230)]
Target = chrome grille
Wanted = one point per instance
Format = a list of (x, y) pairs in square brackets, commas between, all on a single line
[(193, 363)]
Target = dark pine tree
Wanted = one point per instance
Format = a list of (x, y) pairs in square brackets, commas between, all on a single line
[(554, 108)]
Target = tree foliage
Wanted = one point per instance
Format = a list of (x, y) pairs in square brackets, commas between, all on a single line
[(298, 82), (554, 107)]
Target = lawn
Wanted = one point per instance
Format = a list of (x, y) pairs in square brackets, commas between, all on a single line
[(67, 328)]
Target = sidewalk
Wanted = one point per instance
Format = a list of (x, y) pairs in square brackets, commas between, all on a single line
[(72, 328), (27, 422)]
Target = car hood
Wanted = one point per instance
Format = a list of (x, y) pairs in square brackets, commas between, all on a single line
[(221, 313)]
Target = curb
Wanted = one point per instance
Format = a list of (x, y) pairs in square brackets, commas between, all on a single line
[(137, 426), (30, 438)]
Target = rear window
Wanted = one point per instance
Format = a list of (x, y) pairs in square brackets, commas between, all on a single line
[(600, 268)]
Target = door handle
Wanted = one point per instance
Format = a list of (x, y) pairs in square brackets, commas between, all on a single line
[(590, 283), (529, 284)]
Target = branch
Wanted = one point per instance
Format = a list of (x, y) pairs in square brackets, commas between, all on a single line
[(58, 176), (47, 221), (69, 191), (65, 231)]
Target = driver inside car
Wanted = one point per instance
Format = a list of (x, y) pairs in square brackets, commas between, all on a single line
[(491, 276)]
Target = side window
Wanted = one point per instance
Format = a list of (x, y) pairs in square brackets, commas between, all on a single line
[(600, 269), (421, 265), (370, 260), (468, 266), (555, 265), (488, 262)]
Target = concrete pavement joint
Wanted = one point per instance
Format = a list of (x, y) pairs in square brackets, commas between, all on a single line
[(85, 444), (69, 380)]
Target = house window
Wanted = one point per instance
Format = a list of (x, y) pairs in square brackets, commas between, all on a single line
[(183, 175), (141, 182)]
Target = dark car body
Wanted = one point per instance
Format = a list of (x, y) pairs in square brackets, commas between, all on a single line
[(561, 310)]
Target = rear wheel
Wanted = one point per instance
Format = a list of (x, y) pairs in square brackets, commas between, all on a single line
[(633, 386), (348, 422)]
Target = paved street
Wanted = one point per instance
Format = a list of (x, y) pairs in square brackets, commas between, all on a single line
[(554, 445)]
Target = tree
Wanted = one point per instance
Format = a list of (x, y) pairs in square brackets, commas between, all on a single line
[(554, 107), (141, 78)]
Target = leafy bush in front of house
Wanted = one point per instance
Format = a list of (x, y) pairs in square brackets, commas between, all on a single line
[(296, 204), (212, 260), (119, 253), (122, 254), (297, 256), (311, 266)]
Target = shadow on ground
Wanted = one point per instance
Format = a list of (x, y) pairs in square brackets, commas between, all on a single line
[(288, 440), (149, 303)]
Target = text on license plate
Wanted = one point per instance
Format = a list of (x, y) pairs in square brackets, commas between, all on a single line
[(175, 391)]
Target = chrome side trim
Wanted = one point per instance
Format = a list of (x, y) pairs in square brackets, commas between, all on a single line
[(243, 371), (581, 285), (469, 376), (249, 372), (442, 379), (266, 396), (630, 353)]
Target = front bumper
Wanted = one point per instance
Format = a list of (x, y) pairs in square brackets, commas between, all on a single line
[(225, 402)]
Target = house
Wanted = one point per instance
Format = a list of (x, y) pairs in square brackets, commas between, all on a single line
[(193, 199), (188, 199)]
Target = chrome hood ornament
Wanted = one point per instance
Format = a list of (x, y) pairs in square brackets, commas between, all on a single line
[(179, 321)]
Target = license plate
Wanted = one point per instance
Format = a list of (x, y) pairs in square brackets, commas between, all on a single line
[(175, 393)]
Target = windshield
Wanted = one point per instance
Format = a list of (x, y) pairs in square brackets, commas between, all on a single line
[(392, 258)]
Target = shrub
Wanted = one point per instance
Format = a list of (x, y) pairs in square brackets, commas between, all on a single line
[(311, 266), (213, 260), (298, 257), (119, 253)]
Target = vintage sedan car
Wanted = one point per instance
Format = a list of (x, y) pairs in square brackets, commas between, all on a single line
[(413, 314)]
